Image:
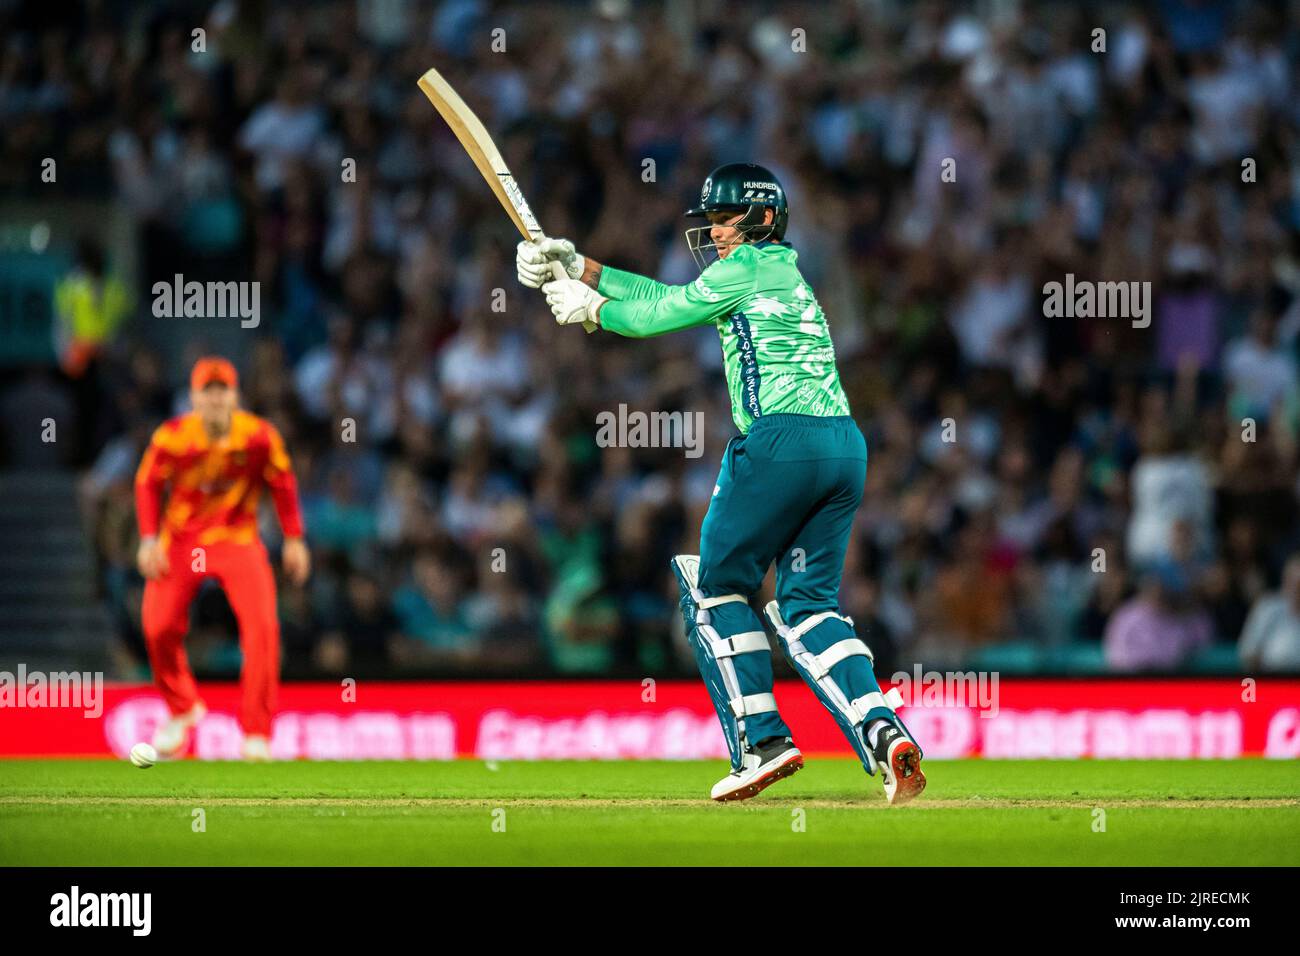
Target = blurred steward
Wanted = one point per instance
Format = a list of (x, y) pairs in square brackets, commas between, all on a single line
[(89, 307)]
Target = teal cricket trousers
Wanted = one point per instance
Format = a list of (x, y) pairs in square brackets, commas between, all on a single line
[(787, 492)]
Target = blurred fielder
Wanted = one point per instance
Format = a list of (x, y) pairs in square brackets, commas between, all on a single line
[(216, 461), (788, 488)]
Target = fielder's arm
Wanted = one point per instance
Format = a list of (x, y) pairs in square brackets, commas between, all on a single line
[(279, 477), (156, 469), (151, 477), (283, 484)]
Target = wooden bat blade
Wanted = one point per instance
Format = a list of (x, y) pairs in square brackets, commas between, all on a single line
[(473, 135)]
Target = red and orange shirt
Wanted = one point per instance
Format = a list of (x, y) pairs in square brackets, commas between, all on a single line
[(214, 485)]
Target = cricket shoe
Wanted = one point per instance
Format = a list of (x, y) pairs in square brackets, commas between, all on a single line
[(257, 749), (767, 763), (900, 764), (171, 736)]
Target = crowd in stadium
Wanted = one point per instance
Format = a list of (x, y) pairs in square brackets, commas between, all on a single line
[(1059, 493)]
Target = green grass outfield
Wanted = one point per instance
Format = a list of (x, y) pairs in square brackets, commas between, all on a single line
[(979, 813)]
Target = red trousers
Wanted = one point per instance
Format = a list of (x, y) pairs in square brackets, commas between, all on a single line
[(244, 573)]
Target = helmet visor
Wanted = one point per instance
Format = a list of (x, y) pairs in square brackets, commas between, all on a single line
[(699, 239)]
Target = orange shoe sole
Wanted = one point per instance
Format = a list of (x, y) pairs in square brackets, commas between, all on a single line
[(905, 765)]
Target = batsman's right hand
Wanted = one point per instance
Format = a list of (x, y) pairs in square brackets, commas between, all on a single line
[(533, 261)]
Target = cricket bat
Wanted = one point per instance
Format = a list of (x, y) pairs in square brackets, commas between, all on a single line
[(474, 137)]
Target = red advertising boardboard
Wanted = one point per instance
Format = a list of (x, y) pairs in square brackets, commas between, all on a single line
[(612, 720)]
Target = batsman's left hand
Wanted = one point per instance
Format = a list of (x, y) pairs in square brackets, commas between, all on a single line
[(572, 301)]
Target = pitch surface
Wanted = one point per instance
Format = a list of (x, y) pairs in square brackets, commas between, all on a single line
[(978, 813)]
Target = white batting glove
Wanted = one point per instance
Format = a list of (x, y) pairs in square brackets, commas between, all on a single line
[(533, 261), (572, 301)]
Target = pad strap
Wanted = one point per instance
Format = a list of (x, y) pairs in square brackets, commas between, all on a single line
[(808, 623), (821, 664), (869, 702), (752, 704), (704, 603), (746, 643)]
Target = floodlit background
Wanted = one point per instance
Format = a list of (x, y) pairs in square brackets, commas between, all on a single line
[(1080, 444)]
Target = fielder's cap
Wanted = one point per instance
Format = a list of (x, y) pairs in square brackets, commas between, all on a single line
[(213, 368)]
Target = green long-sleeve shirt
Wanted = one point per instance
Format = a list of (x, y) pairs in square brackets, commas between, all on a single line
[(776, 346)]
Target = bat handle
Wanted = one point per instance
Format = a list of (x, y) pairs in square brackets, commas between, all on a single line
[(557, 270)]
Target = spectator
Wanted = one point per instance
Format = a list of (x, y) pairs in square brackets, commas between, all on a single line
[(1260, 375), (430, 613), (1170, 485), (1158, 629), (1270, 641), (364, 626), (286, 128)]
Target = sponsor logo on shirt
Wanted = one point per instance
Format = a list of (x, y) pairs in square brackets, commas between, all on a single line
[(703, 289)]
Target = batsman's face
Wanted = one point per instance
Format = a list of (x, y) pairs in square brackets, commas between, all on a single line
[(215, 404), (724, 233)]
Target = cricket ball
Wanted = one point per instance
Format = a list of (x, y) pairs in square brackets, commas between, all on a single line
[(143, 756)]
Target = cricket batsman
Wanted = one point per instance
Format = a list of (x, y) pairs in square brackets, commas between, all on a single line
[(789, 485), (215, 461)]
